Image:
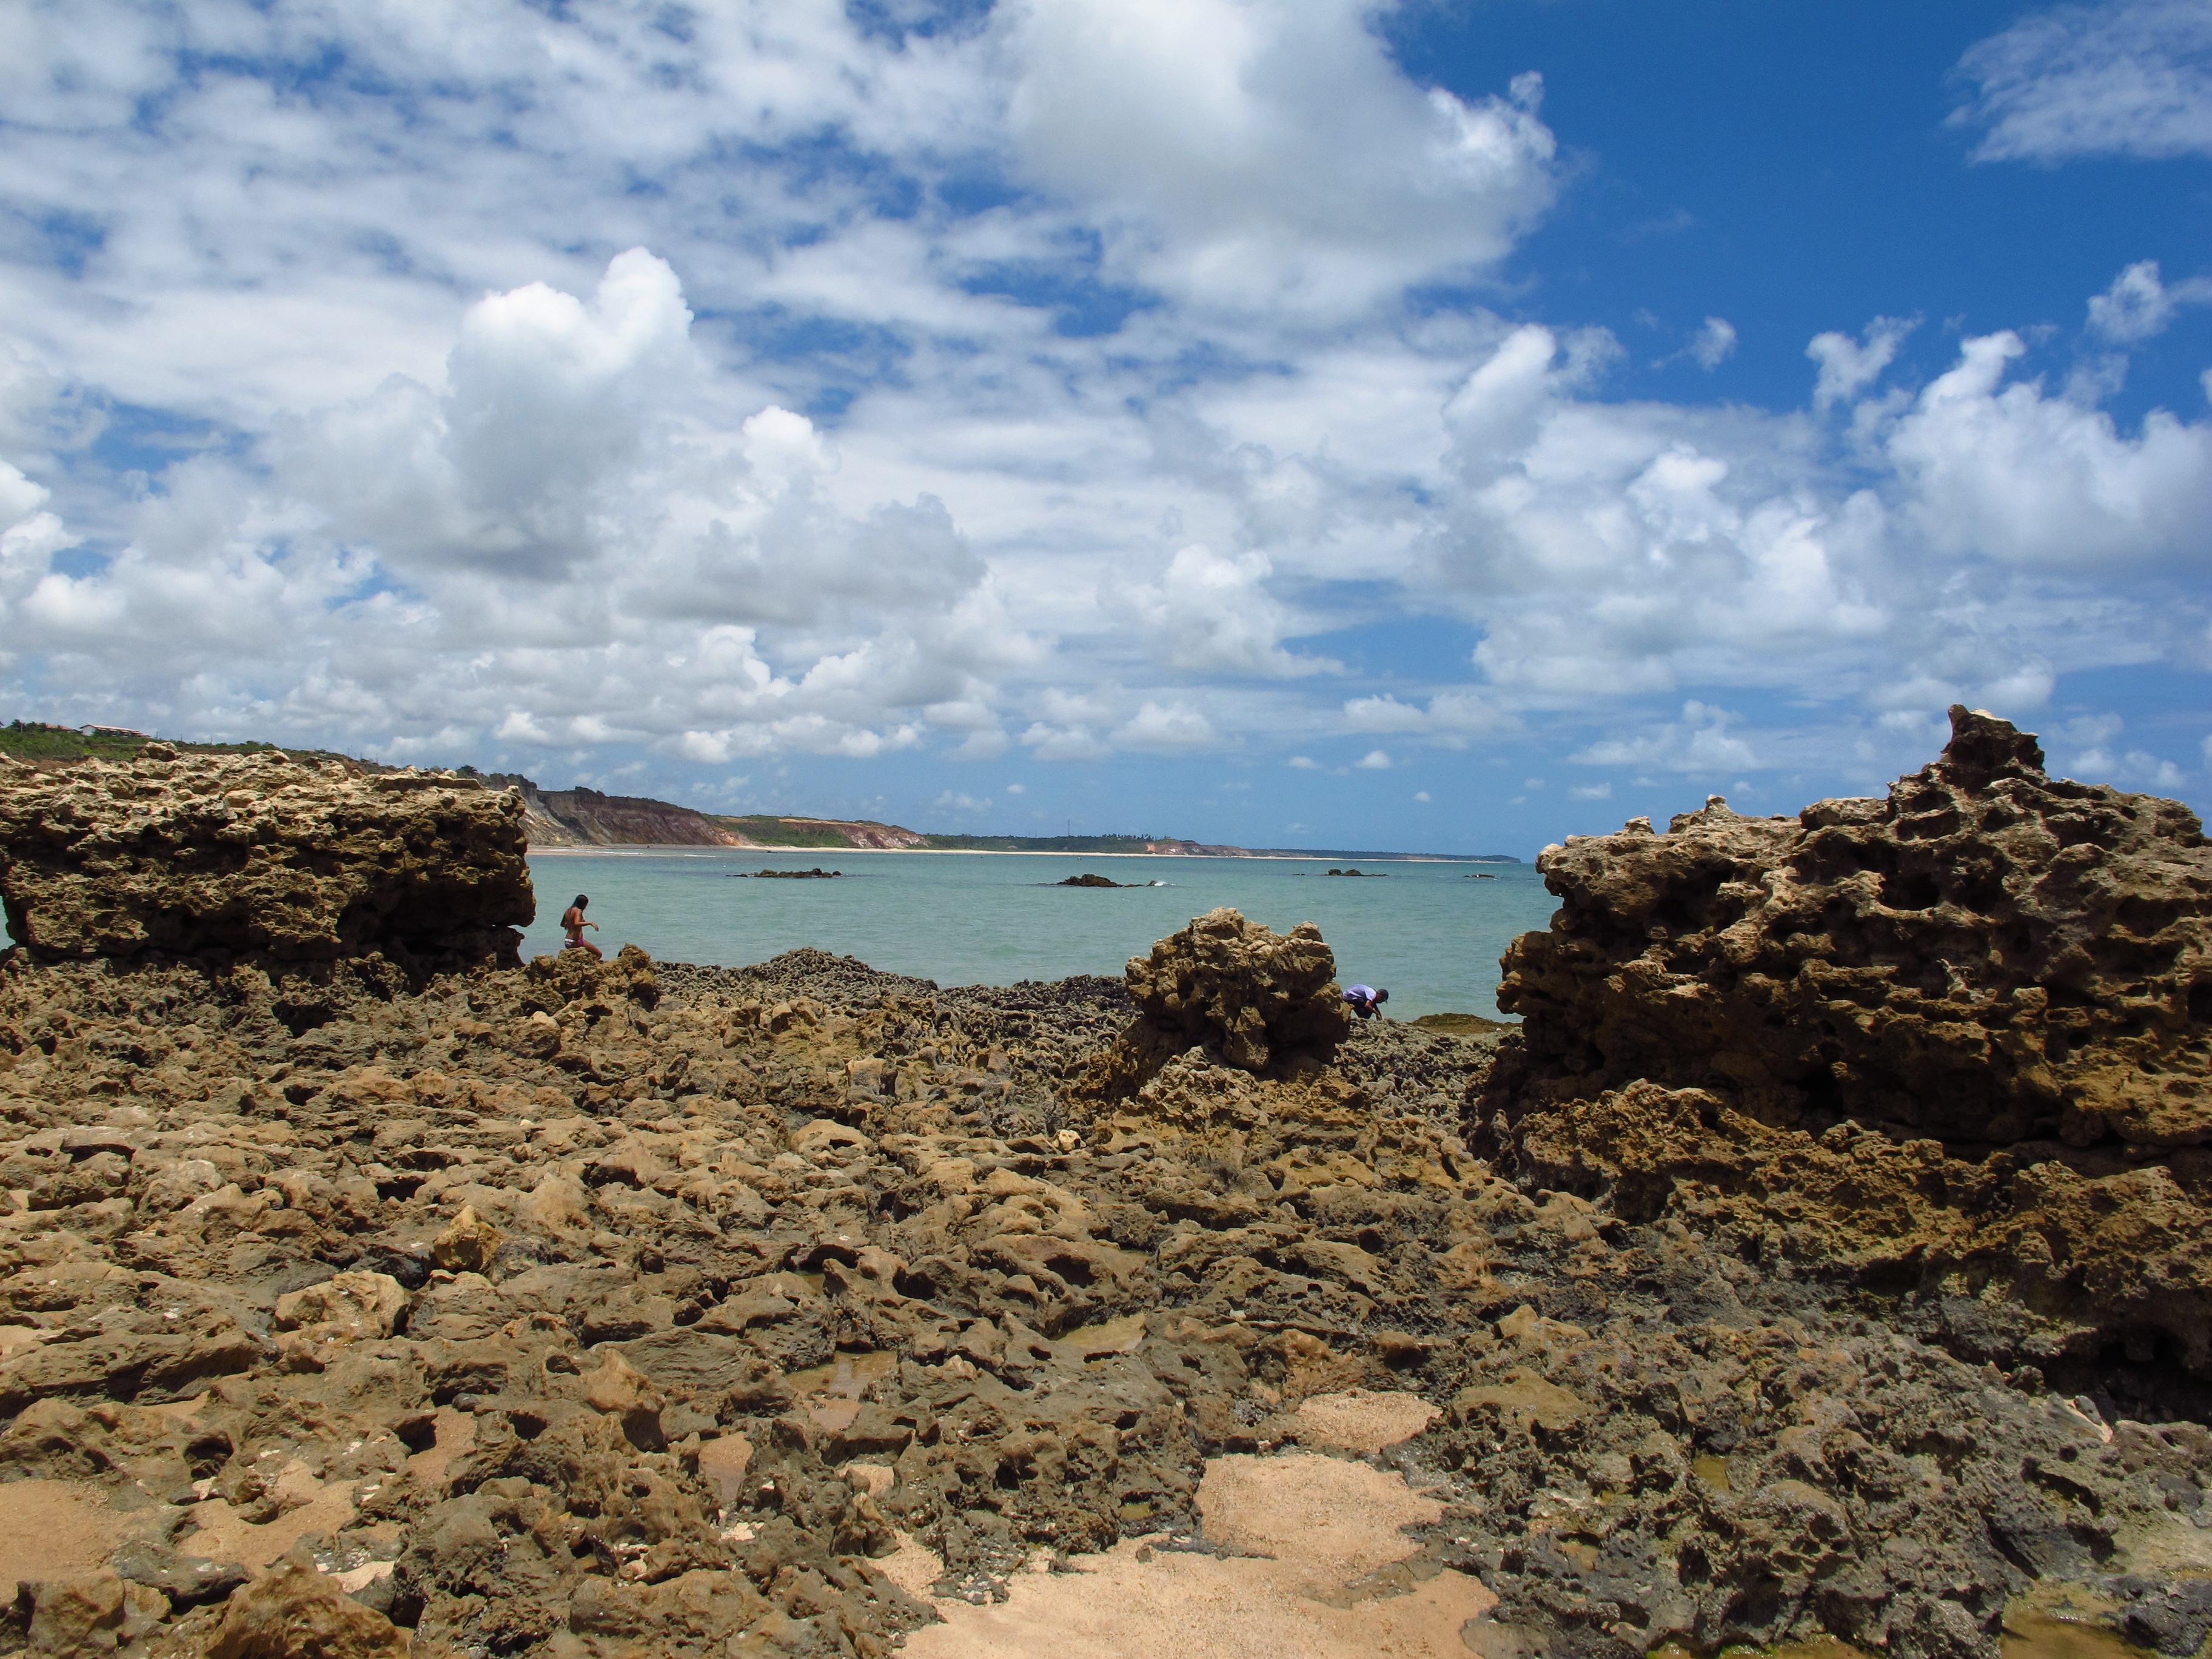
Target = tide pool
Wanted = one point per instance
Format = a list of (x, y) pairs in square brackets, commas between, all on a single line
[(1426, 931)]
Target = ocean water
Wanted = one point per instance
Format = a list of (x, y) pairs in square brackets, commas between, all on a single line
[(1426, 932)]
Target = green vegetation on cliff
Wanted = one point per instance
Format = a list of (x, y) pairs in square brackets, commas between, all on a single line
[(35, 740)]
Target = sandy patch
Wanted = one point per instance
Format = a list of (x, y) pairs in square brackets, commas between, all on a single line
[(723, 1462), (1325, 1523), (223, 1535), (49, 1527), (455, 1433), (1364, 1419)]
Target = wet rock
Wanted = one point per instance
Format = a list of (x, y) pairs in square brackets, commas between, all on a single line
[(258, 855)]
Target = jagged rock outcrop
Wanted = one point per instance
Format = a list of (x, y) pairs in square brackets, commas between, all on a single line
[(1257, 998), (1959, 1039), (1989, 954), (258, 855)]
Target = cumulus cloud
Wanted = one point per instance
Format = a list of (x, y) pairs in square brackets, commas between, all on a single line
[(1848, 366), (789, 447), (1212, 613), (1375, 760), (1999, 468), (2133, 77), (1698, 744), (1166, 727), (1251, 153), (2138, 305), (555, 543), (1628, 547), (1713, 344)]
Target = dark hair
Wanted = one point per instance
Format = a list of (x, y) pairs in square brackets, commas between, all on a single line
[(582, 899), (1382, 996)]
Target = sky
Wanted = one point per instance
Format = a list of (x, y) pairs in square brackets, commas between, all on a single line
[(1448, 425)]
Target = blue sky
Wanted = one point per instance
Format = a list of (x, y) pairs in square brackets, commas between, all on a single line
[(1439, 425)]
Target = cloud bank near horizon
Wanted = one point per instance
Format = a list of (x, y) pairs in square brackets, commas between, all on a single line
[(1050, 383)]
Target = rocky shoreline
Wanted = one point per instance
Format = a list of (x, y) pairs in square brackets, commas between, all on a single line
[(356, 1280)]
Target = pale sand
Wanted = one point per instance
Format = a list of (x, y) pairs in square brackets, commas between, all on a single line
[(50, 1528), (1364, 1419), (1325, 1523), (223, 1535)]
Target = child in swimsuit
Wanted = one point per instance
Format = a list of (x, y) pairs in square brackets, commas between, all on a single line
[(573, 920)]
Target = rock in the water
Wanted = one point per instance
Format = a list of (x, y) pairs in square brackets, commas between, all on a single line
[(1807, 1016), (257, 855), (1087, 879), (1258, 998)]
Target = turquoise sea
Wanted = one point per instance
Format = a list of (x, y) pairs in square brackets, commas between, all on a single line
[(1426, 931)]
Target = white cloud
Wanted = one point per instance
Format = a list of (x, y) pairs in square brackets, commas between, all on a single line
[(1017, 788), (1848, 366), (1252, 153), (1212, 613), (1307, 763), (2131, 78), (1590, 792), (1715, 344), (2003, 470), (1421, 795), (1699, 743), (1166, 727), (2138, 305), (1375, 760), (1064, 742)]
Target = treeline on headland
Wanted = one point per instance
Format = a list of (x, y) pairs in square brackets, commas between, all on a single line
[(580, 817)]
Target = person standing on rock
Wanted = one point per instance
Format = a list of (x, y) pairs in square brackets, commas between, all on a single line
[(1366, 1001), (573, 920)]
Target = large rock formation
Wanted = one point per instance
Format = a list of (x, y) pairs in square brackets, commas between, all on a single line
[(258, 855), (1959, 1038), (1256, 997), (1990, 954)]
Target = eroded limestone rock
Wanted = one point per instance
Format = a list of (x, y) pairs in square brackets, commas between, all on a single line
[(1256, 997), (258, 855), (1958, 1040)]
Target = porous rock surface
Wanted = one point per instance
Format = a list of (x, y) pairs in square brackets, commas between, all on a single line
[(1253, 997), (1957, 1041), (600, 1310), (255, 854)]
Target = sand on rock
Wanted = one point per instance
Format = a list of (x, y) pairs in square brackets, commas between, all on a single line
[(1296, 1533), (1363, 1419), (54, 1528)]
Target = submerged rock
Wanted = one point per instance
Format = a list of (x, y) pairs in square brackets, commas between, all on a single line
[(1958, 1041), (257, 855), (1086, 880)]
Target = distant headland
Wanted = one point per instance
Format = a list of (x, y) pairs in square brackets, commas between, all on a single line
[(581, 819)]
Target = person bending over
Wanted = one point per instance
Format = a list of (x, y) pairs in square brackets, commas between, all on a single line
[(573, 920), (1366, 1001)]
